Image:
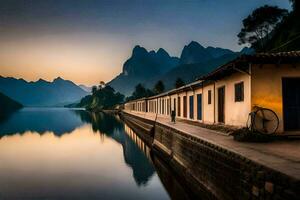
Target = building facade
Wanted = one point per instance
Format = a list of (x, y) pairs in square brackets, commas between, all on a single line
[(228, 94)]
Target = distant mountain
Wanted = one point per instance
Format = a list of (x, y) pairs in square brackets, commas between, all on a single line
[(41, 120), (189, 72), (217, 52), (41, 92), (247, 50), (194, 53), (8, 105), (141, 66), (86, 88), (149, 67)]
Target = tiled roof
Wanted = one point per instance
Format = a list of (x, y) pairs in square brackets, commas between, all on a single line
[(258, 58), (288, 54), (230, 67)]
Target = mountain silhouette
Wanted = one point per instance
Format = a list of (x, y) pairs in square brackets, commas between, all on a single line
[(107, 124), (141, 66), (8, 105), (41, 120), (194, 53), (41, 92), (190, 72), (149, 67), (217, 52), (86, 88)]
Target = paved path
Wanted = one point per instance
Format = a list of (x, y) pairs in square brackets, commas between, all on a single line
[(283, 156)]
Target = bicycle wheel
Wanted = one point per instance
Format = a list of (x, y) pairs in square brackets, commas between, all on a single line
[(266, 121)]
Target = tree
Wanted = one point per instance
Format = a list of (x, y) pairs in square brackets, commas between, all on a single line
[(101, 85), (179, 83), (103, 98), (139, 92), (296, 5), (159, 87), (259, 24), (94, 90)]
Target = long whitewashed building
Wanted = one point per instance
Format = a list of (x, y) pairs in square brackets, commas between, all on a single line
[(228, 94)]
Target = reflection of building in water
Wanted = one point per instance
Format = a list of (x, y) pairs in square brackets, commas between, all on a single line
[(170, 182), (135, 154), (138, 141)]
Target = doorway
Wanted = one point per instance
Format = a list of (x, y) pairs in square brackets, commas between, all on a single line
[(291, 103), (221, 104)]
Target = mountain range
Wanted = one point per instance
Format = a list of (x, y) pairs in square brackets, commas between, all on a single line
[(146, 67), (8, 105), (141, 66), (41, 93), (86, 88), (149, 67)]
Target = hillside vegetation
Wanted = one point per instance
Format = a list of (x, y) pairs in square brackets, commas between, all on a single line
[(286, 37), (102, 97), (272, 29)]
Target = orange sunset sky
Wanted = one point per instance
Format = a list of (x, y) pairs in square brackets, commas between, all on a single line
[(88, 41)]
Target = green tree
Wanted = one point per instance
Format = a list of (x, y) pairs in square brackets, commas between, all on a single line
[(259, 24), (104, 97), (94, 90), (179, 83), (285, 36), (296, 5), (140, 92), (159, 87), (101, 85)]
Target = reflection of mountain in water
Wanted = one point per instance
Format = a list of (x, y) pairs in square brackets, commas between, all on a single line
[(61, 121), (41, 120), (134, 157)]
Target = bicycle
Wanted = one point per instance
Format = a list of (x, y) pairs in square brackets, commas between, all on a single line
[(262, 120)]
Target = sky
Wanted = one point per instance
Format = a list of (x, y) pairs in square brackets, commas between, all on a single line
[(87, 41)]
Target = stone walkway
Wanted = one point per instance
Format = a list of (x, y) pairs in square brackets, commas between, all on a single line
[(283, 156)]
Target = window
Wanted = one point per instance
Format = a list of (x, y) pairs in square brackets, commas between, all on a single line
[(174, 107), (163, 106), (160, 106), (209, 97), (239, 92), (199, 106), (185, 107), (178, 112), (191, 107), (168, 106)]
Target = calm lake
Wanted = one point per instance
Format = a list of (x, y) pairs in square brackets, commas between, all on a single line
[(57, 153)]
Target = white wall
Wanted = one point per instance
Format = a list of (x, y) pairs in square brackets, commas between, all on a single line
[(236, 113), (208, 109)]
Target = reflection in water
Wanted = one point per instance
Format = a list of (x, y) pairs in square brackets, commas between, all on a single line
[(96, 160), (135, 138), (57, 120), (112, 127), (175, 188)]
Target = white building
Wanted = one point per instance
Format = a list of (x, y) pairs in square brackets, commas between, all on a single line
[(228, 94)]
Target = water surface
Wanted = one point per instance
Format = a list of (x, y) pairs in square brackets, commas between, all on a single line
[(56, 153)]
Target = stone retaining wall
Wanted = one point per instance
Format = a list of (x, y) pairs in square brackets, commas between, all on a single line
[(223, 174)]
